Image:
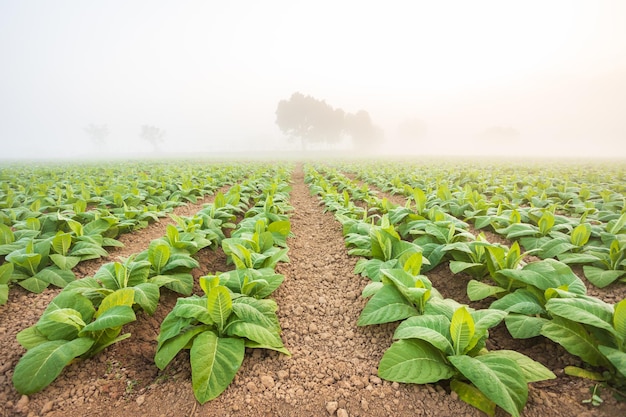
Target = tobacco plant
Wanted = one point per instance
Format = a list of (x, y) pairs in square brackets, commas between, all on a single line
[(217, 328)]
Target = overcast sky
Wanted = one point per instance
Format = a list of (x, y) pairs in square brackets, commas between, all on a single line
[(211, 73)]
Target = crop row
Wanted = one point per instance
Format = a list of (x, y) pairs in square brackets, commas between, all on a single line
[(53, 218), (579, 220), (440, 339), (88, 314)]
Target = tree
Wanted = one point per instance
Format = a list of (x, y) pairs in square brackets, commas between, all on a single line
[(363, 132), (153, 135), (314, 121), (309, 120), (98, 134)]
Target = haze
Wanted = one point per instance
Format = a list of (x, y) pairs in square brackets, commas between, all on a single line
[(536, 78)]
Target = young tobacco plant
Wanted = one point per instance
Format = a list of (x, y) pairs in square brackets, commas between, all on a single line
[(217, 328), (70, 327), (448, 343)]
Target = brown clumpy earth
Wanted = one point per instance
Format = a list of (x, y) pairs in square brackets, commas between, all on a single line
[(333, 365)]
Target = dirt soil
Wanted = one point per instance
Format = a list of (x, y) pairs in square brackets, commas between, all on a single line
[(333, 367)]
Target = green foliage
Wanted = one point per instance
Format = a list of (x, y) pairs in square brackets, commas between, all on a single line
[(216, 328)]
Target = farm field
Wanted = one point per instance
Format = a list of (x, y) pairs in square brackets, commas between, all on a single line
[(339, 229)]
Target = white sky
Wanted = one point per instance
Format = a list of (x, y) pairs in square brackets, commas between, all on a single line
[(212, 74)]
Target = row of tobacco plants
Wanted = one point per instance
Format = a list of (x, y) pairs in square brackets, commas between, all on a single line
[(88, 315), (441, 339), (53, 217)]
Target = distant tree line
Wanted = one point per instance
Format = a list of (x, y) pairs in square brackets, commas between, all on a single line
[(313, 121), (99, 133)]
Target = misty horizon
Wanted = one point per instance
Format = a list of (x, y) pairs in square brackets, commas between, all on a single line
[(488, 78)]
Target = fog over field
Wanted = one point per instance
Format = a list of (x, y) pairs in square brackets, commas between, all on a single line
[(538, 78)]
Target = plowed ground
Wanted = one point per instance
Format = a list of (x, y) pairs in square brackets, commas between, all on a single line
[(333, 365)]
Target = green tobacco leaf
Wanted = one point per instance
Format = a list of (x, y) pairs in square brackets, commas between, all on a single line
[(619, 319), (548, 273), (477, 290), (575, 339), (414, 361), (461, 330), (499, 378), (589, 311), (30, 337), (387, 305), (122, 297), (34, 284), (181, 282), (193, 307), (6, 270), (219, 305), (56, 276), (158, 255), (214, 363), (63, 323), (601, 277), (473, 396), (533, 371), (4, 293), (43, 363), (61, 243), (147, 296), (521, 326), (521, 301), (434, 329), (616, 357), (65, 262), (113, 317), (168, 350)]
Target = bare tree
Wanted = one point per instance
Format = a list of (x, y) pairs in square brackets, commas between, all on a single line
[(98, 134), (153, 135)]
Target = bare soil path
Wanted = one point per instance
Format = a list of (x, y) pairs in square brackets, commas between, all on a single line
[(332, 370)]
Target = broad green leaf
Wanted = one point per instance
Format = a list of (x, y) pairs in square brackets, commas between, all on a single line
[(473, 396), (63, 323), (219, 305), (34, 284), (499, 378), (461, 330), (214, 363), (111, 318), (158, 255), (194, 308), (43, 363), (616, 357), (589, 311), (580, 235), (181, 283), (256, 332), (4, 293), (548, 273), (477, 290), (65, 262), (31, 337), (533, 370), (619, 319), (147, 296), (6, 270), (575, 339), (521, 301), (521, 326), (602, 277), (122, 297), (55, 276), (170, 348), (386, 306), (434, 329), (414, 361), (61, 243)]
